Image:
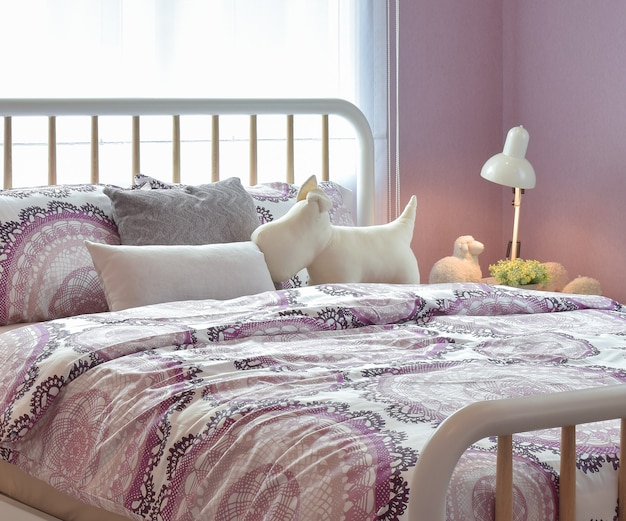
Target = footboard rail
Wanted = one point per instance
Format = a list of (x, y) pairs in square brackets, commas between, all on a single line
[(503, 418)]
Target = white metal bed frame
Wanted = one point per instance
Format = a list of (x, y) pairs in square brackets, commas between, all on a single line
[(501, 418)]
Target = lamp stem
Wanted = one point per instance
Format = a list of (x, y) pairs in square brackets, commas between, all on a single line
[(517, 202)]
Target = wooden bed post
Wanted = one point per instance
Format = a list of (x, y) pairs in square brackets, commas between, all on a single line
[(176, 149), (52, 150), (215, 148), (325, 149), (504, 478), (567, 474), (621, 479), (136, 139), (95, 152), (290, 151), (8, 153), (253, 150)]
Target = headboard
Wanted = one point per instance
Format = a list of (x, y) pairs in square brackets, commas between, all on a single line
[(136, 109)]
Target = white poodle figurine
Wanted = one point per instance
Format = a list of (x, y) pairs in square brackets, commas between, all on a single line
[(462, 266)]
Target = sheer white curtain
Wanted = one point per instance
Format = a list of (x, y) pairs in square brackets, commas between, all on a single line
[(200, 48), (180, 48)]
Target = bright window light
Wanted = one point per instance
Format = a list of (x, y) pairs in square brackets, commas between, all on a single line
[(190, 48)]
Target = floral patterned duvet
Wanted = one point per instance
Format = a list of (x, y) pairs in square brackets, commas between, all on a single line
[(308, 403)]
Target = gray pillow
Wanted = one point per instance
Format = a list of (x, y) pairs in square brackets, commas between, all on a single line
[(204, 214)]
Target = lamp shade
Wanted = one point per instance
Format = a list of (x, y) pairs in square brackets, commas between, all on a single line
[(510, 167)]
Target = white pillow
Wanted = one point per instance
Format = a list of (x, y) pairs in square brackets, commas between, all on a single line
[(139, 275)]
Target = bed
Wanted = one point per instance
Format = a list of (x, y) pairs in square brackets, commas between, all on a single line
[(278, 402)]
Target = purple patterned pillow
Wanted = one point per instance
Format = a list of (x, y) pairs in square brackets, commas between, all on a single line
[(46, 271), (273, 200)]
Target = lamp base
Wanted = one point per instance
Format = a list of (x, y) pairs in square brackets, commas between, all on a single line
[(510, 246)]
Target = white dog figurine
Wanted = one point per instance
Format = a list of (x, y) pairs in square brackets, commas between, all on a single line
[(305, 238), (462, 265)]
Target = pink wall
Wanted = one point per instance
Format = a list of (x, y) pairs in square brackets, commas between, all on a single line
[(471, 70), (450, 97), (565, 79)]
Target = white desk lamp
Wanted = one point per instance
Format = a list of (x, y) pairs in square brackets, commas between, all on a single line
[(511, 168)]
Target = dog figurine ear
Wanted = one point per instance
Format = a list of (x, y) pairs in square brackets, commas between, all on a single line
[(324, 203), (307, 186)]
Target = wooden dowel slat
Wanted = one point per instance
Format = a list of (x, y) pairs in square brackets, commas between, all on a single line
[(621, 480), (290, 150), (176, 149), (52, 150), (8, 153), (136, 140), (253, 150), (95, 150), (215, 148), (325, 149), (567, 474), (504, 479)]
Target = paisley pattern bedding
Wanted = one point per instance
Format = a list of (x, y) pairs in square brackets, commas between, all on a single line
[(305, 403)]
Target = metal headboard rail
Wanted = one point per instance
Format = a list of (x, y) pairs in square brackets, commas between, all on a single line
[(139, 107)]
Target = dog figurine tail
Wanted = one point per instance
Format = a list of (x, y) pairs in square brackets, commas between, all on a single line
[(406, 219)]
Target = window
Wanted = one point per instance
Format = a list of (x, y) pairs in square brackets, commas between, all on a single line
[(196, 48)]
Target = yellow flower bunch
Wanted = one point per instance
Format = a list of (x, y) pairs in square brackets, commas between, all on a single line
[(519, 272)]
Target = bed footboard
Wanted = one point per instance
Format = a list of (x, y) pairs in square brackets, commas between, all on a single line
[(503, 418)]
